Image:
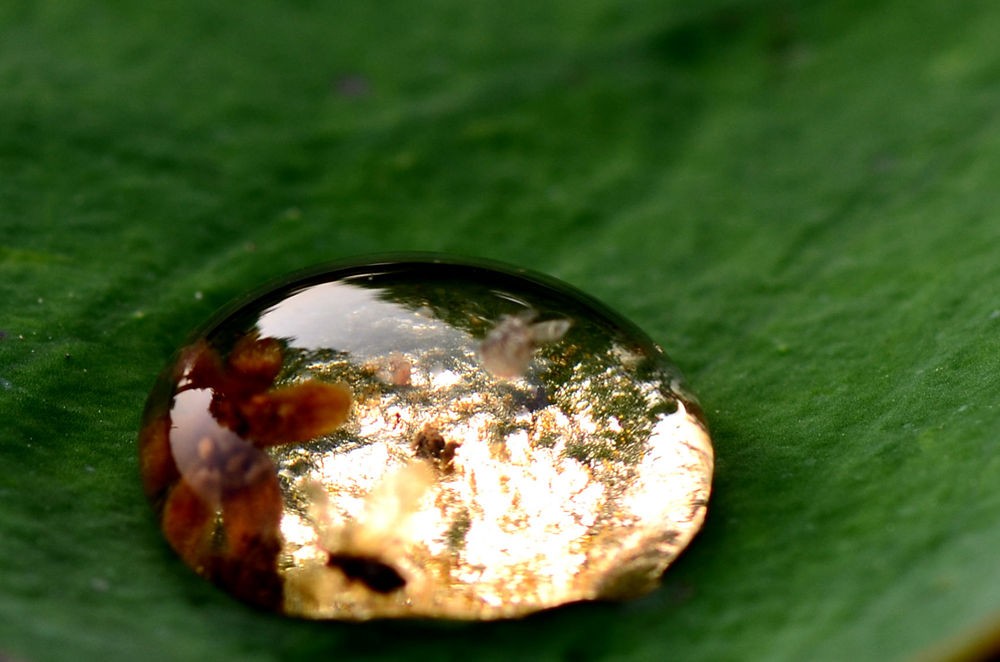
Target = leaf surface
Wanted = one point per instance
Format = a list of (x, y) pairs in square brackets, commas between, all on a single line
[(798, 200)]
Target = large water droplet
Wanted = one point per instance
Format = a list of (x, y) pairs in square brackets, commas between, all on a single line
[(425, 438)]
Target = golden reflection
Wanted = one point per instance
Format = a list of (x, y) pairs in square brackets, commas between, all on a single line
[(539, 506), (425, 441)]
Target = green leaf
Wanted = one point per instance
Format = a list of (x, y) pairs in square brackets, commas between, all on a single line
[(798, 200)]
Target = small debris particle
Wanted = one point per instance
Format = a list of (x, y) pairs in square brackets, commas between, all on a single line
[(373, 573), (429, 444), (100, 585), (198, 296), (401, 369), (507, 349), (533, 399)]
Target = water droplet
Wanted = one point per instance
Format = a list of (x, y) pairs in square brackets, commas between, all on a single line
[(425, 438)]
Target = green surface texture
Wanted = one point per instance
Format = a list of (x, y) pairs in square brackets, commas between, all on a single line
[(799, 200)]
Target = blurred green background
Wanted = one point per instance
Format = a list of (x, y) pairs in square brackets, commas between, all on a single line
[(799, 200)]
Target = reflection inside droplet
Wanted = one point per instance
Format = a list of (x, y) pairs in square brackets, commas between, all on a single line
[(425, 439)]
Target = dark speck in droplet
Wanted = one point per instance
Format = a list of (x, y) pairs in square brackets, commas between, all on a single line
[(429, 444), (534, 400), (376, 575)]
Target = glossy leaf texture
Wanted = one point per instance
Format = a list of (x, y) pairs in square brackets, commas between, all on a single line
[(798, 200)]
